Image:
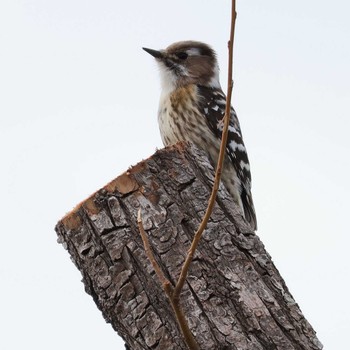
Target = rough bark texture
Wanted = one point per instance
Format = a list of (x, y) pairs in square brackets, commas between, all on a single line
[(234, 298)]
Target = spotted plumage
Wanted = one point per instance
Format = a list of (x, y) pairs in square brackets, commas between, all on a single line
[(192, 107)]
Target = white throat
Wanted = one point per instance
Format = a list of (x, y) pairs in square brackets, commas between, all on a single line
[(167, 79)]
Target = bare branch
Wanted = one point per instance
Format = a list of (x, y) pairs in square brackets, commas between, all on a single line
[(168, 288), (149, 253), (174, 293), (202, 226)]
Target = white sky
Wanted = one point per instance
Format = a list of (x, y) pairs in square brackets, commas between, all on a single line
[(78, 105)]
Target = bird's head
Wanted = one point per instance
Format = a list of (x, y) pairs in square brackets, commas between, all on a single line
[(187, 62)]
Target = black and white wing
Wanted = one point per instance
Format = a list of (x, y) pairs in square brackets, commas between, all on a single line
[(212, 105)]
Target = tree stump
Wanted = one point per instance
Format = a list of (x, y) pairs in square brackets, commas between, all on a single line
[(234, 297)]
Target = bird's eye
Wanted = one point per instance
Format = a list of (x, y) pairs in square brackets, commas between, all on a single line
[(182, 55)]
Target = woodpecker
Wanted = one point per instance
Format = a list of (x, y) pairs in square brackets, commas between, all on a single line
[(192, 108)]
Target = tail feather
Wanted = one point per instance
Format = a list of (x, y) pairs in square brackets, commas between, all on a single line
[(249, 211)]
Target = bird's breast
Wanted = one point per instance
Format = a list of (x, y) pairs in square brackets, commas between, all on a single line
[(179, 117)]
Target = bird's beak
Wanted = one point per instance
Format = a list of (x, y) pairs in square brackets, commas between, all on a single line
[(154, 53)]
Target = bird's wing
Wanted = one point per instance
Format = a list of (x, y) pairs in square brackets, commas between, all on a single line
[(212, 105)]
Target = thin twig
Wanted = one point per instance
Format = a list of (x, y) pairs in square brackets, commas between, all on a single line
[(168, 288), (181, 281), (174, 293), (183, 324), (149, 252)]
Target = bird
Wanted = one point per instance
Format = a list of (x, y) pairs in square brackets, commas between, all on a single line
[(192, 108)]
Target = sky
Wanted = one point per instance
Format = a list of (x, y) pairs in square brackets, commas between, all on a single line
[(78, 106)]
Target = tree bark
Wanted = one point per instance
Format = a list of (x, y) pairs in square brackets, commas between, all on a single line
[(234, 297)]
